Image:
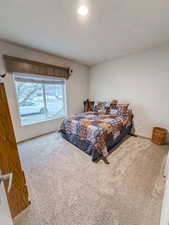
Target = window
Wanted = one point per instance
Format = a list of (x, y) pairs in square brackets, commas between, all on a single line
[(39, 98)]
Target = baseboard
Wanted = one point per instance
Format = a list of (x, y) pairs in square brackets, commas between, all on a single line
[(40, 135), (143, 137)]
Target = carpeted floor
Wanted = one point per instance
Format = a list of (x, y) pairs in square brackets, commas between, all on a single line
[(66, 188)]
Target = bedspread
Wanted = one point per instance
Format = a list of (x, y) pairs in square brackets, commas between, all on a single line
[(97, 128)]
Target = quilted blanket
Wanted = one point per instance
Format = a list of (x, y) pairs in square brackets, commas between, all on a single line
[(97, 128)]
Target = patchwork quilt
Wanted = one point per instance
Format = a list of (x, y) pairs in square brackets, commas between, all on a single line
[(96, 128)]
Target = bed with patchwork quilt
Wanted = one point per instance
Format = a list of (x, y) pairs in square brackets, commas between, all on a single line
[(96, 133)]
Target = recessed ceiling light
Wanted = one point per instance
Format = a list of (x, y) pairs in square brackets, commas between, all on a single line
[(83, 10)]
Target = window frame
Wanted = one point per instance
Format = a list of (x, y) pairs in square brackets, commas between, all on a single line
[(49, 119)]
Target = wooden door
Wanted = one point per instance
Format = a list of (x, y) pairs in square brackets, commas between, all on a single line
[(9, 159), (165, 206), (5, 216)]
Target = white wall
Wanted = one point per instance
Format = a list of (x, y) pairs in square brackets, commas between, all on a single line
[(140, 79), (77, 89)]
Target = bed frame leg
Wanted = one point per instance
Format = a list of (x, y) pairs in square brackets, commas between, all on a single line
[(133, 135), (105, 160)]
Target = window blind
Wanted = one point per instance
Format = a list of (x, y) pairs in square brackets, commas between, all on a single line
[(29, 78), (20, 65)]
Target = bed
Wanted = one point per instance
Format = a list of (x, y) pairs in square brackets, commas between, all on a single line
[(96, 133)]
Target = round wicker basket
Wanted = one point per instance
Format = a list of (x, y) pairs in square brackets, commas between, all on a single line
[(159, 135)]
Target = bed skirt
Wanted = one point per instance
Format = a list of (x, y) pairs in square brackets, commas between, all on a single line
[(86, 146)]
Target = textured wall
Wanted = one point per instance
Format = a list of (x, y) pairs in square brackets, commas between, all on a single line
[(140, 79)]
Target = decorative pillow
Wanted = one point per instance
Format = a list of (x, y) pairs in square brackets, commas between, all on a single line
[(118, 109), (113, 108), (123, 108), (114, 112), (101, 107), (114, 102)]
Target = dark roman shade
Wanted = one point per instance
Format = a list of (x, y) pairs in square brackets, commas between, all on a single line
[(20, 65), (28, 78)]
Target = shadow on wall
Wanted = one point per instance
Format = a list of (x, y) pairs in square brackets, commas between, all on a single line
[(142, 121)]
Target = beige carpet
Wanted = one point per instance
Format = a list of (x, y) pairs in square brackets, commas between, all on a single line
[(66, 188)]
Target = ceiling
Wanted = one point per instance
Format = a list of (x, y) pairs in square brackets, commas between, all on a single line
[(112, 29)]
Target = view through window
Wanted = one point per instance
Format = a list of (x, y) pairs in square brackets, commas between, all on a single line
[(39, 98)]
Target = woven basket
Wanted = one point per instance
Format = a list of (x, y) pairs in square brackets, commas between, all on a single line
[(159, 135)]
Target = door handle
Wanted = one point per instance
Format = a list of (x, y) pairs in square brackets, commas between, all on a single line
[(8, 177)]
